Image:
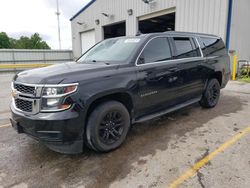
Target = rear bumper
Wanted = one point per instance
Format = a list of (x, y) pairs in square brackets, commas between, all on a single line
[(60, 131), (225, 79)]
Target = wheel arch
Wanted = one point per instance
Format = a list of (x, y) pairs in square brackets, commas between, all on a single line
[(121, 96), (217, 75)]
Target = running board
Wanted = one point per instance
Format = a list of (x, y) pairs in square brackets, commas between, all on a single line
[(177, 107)]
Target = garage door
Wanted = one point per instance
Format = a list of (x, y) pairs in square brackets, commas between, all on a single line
[(157, 22), (114, 30), (87, 40)]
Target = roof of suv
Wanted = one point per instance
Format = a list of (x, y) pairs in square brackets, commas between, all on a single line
[(177, 33), (191, 34)]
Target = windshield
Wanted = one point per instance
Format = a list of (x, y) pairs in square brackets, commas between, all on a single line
[(111, 50)]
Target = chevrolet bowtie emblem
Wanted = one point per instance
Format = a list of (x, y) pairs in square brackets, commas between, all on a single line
[(14, 93)]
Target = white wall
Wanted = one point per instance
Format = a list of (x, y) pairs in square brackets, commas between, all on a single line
[(205, 16)]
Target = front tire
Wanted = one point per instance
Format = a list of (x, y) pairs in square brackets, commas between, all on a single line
[(107, 126), (211, 95)]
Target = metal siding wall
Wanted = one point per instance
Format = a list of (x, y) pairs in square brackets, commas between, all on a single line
[(240, 29), (205, 16), (119, 9)]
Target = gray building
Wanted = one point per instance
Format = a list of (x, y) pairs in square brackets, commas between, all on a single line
[(101, 19)]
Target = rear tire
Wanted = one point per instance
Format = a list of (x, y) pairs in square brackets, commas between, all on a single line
[(211, 95), (107, 126)]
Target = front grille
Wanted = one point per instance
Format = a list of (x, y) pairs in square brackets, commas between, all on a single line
[(24, 89), (23, 105)]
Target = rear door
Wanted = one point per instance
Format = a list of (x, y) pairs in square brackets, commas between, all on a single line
[(157, 75), (189, 58)]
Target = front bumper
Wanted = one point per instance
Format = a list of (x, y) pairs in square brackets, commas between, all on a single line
[(60, 131)]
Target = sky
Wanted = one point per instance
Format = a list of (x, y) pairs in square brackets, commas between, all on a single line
[(26, 17)]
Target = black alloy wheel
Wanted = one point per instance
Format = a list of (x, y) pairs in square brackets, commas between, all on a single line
[(211, 95), (111, 127), (107, 127)]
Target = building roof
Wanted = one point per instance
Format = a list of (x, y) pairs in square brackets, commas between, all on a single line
[(84, 8)]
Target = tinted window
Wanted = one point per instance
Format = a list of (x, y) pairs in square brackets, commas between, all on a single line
[(185, 47), (156, 50), (111, 50), (212, 44)]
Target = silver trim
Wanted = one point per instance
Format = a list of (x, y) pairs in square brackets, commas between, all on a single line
[(37, 97), (37, 90), (47, 85), (172, 60), (35, 107), (60, 95), (202, 55), (59, 110)]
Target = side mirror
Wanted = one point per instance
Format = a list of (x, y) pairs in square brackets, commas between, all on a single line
[(141, 60)]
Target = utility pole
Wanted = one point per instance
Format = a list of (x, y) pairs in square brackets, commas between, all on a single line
[(58, 23)]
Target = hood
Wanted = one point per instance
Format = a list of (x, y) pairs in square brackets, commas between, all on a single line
[(62, 73)]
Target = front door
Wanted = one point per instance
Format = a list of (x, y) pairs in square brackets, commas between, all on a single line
[(158, 77)]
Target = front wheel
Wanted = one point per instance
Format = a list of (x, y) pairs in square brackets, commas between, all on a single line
[(107, 126), (211, 95)]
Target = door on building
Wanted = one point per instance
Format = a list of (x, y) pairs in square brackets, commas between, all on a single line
[(157, 23), (114, 30), (87, 40)]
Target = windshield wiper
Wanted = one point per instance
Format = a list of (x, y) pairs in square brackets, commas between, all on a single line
[(95, 61)]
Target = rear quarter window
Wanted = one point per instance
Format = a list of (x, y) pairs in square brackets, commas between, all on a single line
[(213, 46)]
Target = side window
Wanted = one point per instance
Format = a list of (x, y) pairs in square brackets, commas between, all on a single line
[(186, 47), (212, 45), (156, 50)]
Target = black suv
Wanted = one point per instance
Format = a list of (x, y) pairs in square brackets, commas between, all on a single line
[(118, 82)]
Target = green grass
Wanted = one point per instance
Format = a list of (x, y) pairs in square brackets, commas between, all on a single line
[(246, 79)]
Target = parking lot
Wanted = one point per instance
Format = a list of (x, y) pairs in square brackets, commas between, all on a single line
[(192, 147)]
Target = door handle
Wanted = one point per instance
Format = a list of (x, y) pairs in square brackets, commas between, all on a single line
[(155, 79), (174, 69)]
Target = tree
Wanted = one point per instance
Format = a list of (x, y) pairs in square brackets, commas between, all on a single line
[(38, 43), (4, 41), (34, 42), (22, 43)]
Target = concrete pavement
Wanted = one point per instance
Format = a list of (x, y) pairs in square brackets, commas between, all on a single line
[(155, 153)]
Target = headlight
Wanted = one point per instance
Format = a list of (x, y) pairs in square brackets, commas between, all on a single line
[(55, 91), (51, 91), (53, 98)]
